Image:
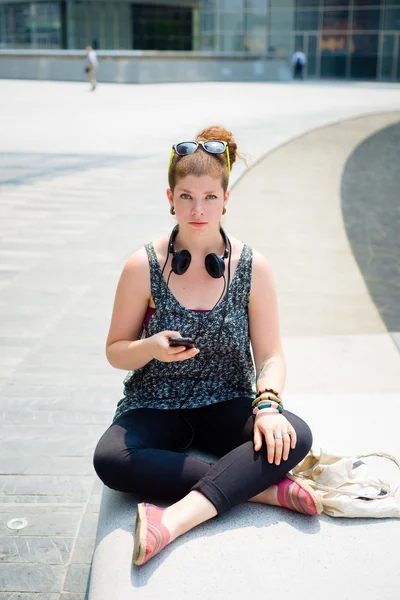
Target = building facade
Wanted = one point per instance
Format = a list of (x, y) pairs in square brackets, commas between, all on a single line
[(348, 39)]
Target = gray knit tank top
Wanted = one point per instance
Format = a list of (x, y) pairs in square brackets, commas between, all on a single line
[(222, 370)]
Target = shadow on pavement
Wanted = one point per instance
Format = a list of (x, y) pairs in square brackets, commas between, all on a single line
[(370, 196)]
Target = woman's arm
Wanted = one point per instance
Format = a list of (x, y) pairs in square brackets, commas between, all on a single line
[(124, 349), (264, 327)]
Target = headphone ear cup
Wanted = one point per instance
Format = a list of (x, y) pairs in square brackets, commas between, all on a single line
[(215, 265), (181, 262)]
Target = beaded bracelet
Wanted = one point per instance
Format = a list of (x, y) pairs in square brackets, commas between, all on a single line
[(268, 391), (266, 405), (257, 399)]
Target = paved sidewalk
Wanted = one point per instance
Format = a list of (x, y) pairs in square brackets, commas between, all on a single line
[(83, 179)]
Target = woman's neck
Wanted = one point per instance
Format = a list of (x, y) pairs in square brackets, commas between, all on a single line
[(200, 246)]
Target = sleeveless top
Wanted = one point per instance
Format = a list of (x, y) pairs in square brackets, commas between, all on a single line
[(224, 367)]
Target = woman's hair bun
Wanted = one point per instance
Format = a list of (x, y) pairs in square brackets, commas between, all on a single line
[(216, 132)]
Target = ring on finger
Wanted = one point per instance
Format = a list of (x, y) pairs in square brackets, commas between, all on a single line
[(278, 436)]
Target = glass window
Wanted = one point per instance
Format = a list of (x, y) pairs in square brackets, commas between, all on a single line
[(259, 6), (281, 20), (299, 42), (208, 21), (371, 2), (255, 41), (231, 42), (231, 22), (392, 19), (161, 27), (31, 25), (280, 44), (333, 55), (337, 2), (398, 66), (364, 44), (208, 4), (307, 3), (311, 64), (335, 20), (387, 67), (366, 19), (387, 57), (388, 45), (333, 66), (364, 56), (208, 42), (307, 20), (312, 44), (231, 5)]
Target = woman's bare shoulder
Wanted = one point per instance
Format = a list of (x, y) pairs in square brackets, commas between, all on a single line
[(261, 268), (139, 261), (237, 247)]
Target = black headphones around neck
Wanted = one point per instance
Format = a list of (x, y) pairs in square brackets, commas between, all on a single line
[(181, 259)]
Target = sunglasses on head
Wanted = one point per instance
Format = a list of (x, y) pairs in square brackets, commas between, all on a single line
[(211, 146)]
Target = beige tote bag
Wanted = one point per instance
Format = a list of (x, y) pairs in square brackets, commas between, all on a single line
[(348, 486)]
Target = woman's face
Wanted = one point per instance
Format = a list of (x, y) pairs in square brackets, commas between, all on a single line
[(198, 202)]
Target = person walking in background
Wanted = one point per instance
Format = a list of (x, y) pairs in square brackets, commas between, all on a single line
[(299, 59), (91, 67)]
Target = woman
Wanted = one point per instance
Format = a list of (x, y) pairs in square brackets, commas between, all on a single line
[(221, 293)]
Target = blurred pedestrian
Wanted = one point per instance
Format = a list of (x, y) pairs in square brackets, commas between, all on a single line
[(91, 66), (299, 60)]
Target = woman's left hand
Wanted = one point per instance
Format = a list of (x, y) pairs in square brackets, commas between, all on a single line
[(279, 435)]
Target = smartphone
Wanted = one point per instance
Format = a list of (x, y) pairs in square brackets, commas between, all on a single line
[(178, 341)]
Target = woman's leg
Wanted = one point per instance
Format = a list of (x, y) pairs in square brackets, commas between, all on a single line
[(241, 474), (139, 454)]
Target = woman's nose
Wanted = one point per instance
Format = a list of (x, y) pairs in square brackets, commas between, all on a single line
[(198, 209)]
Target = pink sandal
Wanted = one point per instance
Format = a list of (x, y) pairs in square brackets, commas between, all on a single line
[(295, 494), (151, 536)]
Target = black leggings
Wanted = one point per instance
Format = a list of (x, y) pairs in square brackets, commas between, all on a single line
[(140, 454)]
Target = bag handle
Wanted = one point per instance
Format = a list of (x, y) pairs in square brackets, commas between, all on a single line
[(389, 457)]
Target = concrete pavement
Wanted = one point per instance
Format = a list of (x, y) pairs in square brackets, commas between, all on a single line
[(83, 186)]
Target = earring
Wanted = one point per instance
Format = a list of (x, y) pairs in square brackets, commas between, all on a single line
[(224, 211), (172, 210)]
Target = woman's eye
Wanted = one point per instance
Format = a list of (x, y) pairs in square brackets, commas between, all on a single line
[(185, 196), (211, 197)]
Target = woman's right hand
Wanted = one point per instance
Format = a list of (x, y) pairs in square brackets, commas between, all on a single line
[(162, 351)]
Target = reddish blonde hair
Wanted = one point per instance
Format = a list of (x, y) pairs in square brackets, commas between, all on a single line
[(203, 163)]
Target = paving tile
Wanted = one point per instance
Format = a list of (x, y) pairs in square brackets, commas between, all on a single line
[(46, 484), (38, 550), (43, 465), (88, 526), (28, 596), (37, 500), (30, 508), (31, 578), (48, 524), (77, 578), (63, 431), (83, 550), (79, 446)]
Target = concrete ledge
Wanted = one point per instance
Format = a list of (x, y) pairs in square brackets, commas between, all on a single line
[(254, 547), (142, 67)]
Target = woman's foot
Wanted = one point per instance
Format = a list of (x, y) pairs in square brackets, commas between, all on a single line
[(151, 536), (295, 494)]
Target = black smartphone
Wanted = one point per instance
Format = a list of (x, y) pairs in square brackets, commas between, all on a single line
[(178, 341)]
